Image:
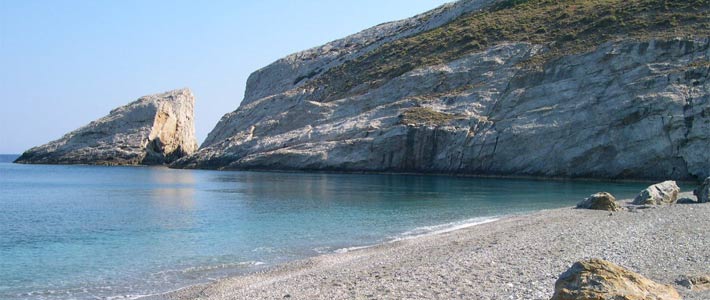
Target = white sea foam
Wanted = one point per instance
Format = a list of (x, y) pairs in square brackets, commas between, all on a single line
[(444, 228), (348, 249), (207, 268), (322, 250), (429, 230)]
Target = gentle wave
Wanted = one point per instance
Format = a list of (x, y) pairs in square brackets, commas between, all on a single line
[(444, 228), (348, 249), (104, 292), (427, 231), (207, 268)]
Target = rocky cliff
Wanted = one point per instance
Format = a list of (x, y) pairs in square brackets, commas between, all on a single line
[(607, 89), (155, 129)]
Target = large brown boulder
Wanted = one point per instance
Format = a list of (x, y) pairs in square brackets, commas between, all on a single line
[(598, 279), (703, 192), (600, 201), (658, 194)]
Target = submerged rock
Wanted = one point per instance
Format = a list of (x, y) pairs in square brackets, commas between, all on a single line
[(600, 201), (155, 129), (658, 194), (703, 191), (602, 280)]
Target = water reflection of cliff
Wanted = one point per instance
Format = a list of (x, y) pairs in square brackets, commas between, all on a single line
[(173, 188), (320, 189), (370, 191)]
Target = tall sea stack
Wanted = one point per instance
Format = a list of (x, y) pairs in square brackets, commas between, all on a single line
[(155, 129)]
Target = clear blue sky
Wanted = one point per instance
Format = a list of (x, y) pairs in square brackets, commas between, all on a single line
[(66, 63)]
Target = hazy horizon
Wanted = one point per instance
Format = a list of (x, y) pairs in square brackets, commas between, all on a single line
[(67, 63)]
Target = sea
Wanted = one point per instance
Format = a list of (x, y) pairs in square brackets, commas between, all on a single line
[(90, 232)]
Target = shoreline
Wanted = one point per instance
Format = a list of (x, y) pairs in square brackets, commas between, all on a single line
[(403, 237), (461, 175), (430, 174), (304, 262), (513, 257)]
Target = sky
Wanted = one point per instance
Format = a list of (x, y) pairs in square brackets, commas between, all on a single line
[(66, 63)]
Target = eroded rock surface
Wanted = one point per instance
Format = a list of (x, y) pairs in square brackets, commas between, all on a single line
[(626, 108), (658, 194), (602, 280), (600, 201), (155, 129)]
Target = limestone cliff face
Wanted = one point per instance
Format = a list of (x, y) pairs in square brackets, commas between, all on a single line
[(155, 129), (598, 105), (295, 70)]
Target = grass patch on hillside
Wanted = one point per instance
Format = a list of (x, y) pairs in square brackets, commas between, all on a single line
[(567, 27)]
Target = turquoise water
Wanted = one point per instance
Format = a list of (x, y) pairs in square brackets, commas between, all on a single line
[(81, 232)]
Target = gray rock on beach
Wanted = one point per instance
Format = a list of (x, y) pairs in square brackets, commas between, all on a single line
[(155, 129), (602, 280), (703, 192), (686, 200), (600, 201), (658, 194), (695, 282)]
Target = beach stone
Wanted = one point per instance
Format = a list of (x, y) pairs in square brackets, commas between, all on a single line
[(686, 201), (703, 192), (600, 201), (658, 194), (602, 280), (695, 283)]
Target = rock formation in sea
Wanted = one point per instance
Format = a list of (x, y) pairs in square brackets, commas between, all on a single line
[(604, 89), (603, 280), (155, 129)]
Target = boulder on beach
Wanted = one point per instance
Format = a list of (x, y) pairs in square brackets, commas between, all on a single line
[(658, 194), (602, 280), (703, 192), (696, 282), (686, 201), (600, 201)]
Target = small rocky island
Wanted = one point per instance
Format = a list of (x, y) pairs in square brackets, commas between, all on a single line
[(153, 130)]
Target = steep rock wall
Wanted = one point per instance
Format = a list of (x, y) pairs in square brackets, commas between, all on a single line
[(632, 107)]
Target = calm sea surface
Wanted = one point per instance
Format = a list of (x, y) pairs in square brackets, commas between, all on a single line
[(81, 232)]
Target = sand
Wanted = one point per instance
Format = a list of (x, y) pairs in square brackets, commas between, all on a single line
[(517, 257)]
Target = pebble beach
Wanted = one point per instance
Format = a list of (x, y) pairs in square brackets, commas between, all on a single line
[(516, 257)]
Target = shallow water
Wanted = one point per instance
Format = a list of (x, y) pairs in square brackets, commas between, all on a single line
[(82, 232)]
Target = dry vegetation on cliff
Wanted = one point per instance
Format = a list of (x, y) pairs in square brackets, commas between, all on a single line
[(425, 115), (565, 27)]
